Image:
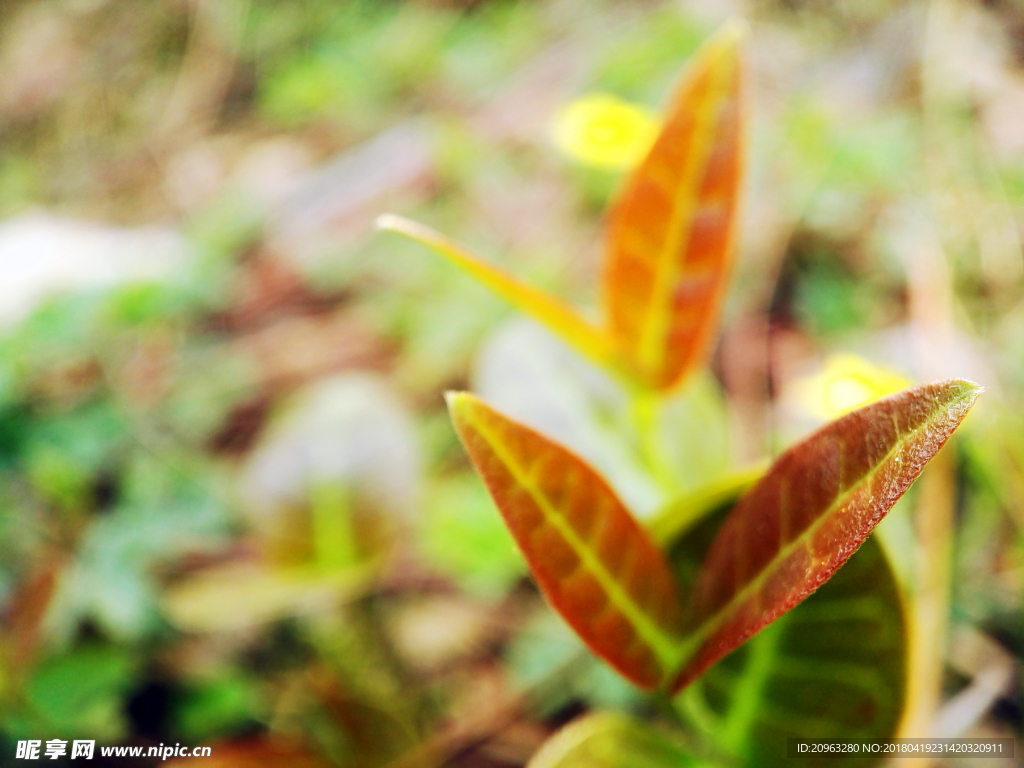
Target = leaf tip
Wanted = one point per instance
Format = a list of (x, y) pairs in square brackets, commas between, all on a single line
[(457, 401), (389, 222), (732, 33), (970, 388), (384, 221), (963, 392), (727, 43)]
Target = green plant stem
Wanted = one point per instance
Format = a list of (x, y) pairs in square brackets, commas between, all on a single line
[(667, 705), (645, 410)]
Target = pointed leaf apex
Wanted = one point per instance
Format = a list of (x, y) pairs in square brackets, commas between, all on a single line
[(392, 222), (969, 389), (453, 397), (959, 395), (731, 34)]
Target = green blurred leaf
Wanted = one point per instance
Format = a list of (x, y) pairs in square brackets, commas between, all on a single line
[(216, 708), (611, 741), (167, 505), (80, 693), (64, 452), (354, 66), (548, 656), (306, 86), (335, 543), (672, 520), (696, 409), (57, 335), (829, 300), (142, 303), (463, 535)]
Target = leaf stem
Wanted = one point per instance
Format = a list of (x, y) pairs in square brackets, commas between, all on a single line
[(666, 705), (645, 411)]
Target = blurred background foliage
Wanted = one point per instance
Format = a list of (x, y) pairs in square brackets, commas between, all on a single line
[(232, 509)]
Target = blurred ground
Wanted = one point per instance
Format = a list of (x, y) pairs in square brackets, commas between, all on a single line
[(232, 511)]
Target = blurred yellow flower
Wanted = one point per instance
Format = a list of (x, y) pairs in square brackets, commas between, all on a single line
[(605, 131), (846, 382)]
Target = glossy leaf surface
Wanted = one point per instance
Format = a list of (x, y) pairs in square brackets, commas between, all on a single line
[(672, 227), (593, 561), (608, 740), (833, 667), (562, 319), (811, 511)]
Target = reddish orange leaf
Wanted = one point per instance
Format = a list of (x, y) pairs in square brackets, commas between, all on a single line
[(592, 560), (672, 227), (812, 510)]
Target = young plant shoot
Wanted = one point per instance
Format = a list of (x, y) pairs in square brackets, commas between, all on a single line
[(671, 239)]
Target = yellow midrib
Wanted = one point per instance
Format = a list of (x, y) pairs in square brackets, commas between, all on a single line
[(651, 349), (697, 638)]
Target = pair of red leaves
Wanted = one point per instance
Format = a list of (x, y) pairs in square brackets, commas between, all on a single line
[(605, 575), (670, 243)]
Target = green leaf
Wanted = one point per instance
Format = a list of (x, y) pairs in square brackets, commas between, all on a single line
[(79, 693), (547, 657), (66, 451), (593, 561), (833, 667), (216, 707), (461, 535), (679, 514), (811, 511), (609, 740)]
